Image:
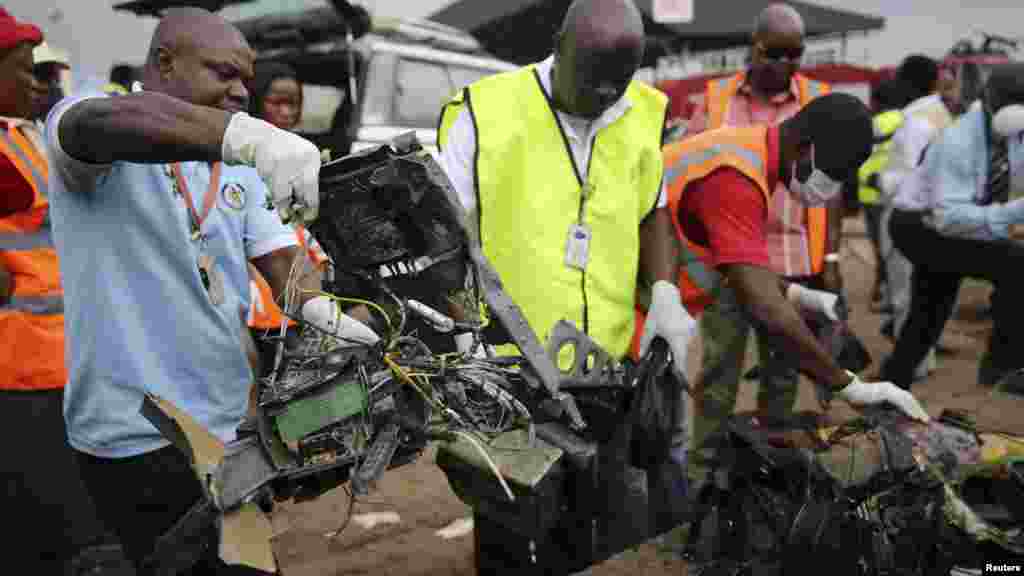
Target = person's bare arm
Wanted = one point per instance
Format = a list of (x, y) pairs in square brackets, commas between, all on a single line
[(834, 231), (833, 280), (783, 285), (757, 290), (144, 127), (658, 258), (276, 267)]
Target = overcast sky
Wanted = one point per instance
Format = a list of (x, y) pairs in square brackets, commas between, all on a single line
[(96, 36)]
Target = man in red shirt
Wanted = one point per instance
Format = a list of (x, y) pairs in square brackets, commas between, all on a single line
[(719, 186), (18, 86), (50, 519), (803, 242)]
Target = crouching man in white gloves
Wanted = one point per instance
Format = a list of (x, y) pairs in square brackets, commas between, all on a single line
[(159, 199), (720, 185)]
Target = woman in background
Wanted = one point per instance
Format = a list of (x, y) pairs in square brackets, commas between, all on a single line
[(276, 95)]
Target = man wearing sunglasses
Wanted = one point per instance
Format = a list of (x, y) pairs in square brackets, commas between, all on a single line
[(803, 241)]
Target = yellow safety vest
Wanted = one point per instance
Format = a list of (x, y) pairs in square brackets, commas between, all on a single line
[(530, 195), (886, 124), (114, 89)]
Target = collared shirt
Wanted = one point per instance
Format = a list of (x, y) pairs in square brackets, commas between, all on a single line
[(953, 178), (457, 156), (924, 119), (138, 318), (788, 244)]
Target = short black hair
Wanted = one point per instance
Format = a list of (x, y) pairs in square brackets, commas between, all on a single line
[(920, 73), (840, 128), (265, 72), (1005, 85), (893, 94), (123, 74)]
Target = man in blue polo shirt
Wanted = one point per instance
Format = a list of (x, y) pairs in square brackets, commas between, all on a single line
[(156, 210)]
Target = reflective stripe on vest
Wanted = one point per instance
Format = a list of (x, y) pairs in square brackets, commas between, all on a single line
[(31, 323), (530, 194), (744, 149), (719, 97), (39, 305), (15, 242), (885, 125), (28, 163), (36, 171), (700, 156), (693, 262), (689, 160)]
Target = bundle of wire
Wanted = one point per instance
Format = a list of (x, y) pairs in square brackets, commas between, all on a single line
[(469, 398)]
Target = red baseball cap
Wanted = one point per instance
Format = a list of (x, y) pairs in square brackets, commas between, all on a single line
[(13, 32)]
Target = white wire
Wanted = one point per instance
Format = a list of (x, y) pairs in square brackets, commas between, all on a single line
[(289, 289), (487, 457)]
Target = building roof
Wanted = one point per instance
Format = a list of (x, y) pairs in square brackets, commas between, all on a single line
[(156, 7), (520, 30)]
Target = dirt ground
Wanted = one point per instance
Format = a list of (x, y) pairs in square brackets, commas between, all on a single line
[(419, 502)]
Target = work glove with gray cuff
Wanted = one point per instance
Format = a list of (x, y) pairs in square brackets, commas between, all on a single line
[(668, 318), (289, 164)]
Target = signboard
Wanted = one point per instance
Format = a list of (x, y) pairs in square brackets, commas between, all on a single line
[(672, 11)]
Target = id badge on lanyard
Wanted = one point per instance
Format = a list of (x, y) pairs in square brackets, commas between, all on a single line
[(577, 245), (209, 274)]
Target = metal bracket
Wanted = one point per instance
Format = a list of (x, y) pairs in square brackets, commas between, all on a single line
[(592, 366), (243, 472), (501, 305)]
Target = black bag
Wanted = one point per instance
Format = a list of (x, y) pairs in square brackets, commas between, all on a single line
[(839, 341), (656, 408)]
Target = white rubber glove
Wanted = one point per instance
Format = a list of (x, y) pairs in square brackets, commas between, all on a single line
[(326, 315), (817, 301), (464, 341), (667, 318), (859, 393), (288, 163)]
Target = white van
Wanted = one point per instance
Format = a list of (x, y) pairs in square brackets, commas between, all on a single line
[(358, 92)]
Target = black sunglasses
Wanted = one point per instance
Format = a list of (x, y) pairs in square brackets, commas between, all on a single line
[(781, 54)]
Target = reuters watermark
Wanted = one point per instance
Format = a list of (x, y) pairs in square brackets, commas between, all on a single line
[(1002, 568)]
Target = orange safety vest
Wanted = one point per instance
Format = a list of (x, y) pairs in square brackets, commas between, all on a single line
[(264, 313), (719, 97), (32, 322), (686, 161)]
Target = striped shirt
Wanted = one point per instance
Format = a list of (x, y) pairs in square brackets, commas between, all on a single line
[(788, 245)]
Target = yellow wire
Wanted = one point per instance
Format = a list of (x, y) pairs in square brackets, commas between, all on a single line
[(373, 305), (402, 375)]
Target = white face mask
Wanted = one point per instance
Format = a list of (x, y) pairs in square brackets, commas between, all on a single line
[(818, 189), (1009, 120)]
